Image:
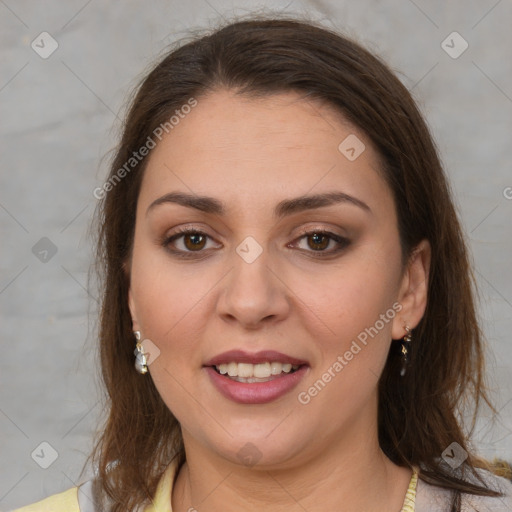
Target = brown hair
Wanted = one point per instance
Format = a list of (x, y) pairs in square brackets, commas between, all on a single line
[(418, 414)]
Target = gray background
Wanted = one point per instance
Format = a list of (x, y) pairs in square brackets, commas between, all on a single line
[(58, 119)]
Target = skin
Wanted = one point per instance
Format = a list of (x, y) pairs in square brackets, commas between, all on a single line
[(251, 154)]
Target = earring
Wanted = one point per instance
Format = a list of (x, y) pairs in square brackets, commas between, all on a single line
[(141, 363), (406, 345)]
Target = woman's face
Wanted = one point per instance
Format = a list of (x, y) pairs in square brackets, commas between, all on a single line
[(250, 279)]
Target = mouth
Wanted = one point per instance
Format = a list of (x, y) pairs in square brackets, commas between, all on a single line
[(258, 383), (263, 366)]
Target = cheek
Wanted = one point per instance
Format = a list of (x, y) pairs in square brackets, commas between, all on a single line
[(354, 302), (166, 298), (350, 296), (344, 382)]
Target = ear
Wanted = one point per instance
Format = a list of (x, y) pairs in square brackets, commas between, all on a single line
[(131, 302), (133, 311), (413, 292)]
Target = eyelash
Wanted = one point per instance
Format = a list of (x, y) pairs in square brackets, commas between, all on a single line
[(342, 241)]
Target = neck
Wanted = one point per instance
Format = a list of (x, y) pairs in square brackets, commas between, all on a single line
[(352, 474)]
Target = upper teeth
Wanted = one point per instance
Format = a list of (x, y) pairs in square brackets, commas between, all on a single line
[(260, 370)]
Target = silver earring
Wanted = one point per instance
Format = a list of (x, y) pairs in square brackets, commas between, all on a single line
[(141, 363), (406, 345)]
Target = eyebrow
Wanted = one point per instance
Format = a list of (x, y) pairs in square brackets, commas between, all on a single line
[(283, 208)]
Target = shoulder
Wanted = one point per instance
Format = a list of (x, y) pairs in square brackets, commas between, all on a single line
[(430, 498), (66, 501), (87, 497), (486, 503)]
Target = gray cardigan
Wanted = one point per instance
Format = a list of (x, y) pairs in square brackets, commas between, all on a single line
[(430, 498)]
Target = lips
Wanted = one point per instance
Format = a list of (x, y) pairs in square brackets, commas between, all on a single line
[(252, 393), (239, 356), (254, 390)]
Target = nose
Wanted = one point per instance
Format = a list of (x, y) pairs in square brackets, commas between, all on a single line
[(254, 294)]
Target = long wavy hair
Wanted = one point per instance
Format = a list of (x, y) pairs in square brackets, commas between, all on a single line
[(419, 415)]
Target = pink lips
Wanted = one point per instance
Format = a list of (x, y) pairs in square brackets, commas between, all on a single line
[(239, 356), (255, 392)]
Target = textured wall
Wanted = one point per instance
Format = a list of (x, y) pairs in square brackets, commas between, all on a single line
[(57, 114)]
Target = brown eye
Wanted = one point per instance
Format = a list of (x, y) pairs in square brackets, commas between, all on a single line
[(186, 242), (319, 241), (194, 241)]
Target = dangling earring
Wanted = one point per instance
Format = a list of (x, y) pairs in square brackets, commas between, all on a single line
[(141, 363), (406, 345)]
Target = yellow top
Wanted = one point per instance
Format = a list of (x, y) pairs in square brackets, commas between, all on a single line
[(67, 501), (410, 495)]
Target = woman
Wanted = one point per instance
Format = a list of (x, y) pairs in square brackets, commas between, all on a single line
[(283, 262)]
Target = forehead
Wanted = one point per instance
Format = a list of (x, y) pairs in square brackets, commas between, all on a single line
[(247, 150)]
